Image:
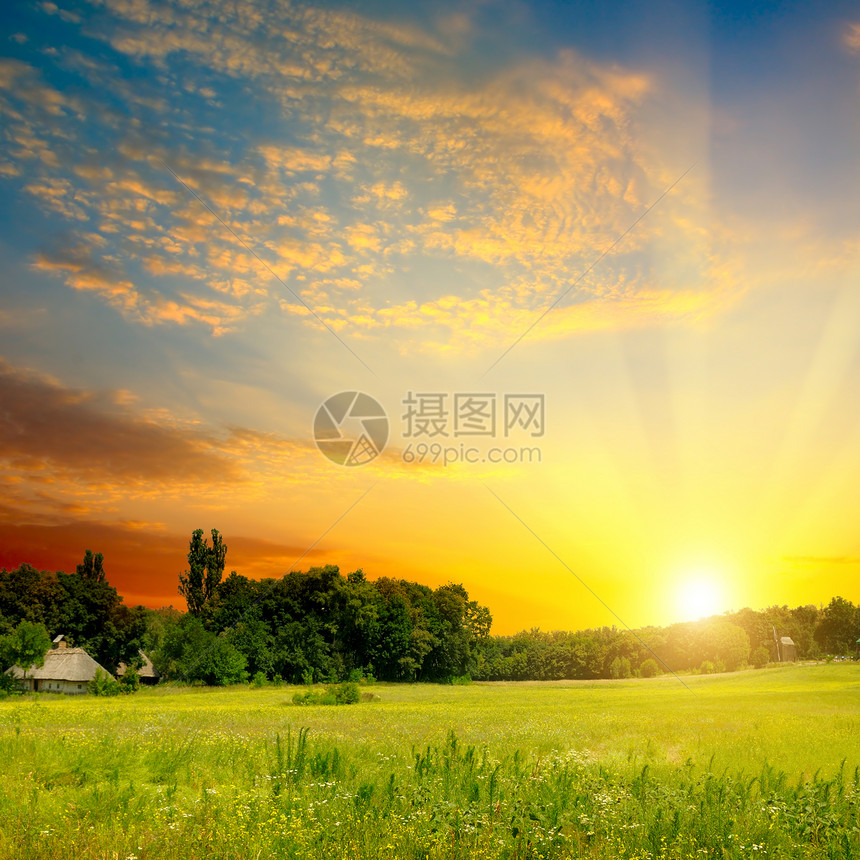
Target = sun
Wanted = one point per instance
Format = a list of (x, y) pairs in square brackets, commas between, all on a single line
[(700, 595)]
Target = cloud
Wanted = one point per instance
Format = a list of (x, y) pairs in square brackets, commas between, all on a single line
[(852, 37), (92, 452), (397, 154), (45, 425)]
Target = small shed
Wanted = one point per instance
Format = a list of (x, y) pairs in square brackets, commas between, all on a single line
[(66, 670), (787, 649), (147, 673)]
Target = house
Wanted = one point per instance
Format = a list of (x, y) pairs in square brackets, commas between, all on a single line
[(147, 673), (66, 670), (787, 649)]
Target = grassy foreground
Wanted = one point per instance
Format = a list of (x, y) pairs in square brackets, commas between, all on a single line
[(757, 764)]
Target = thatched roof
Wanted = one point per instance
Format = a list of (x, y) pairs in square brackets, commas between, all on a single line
[(147, 670), (63, 664)]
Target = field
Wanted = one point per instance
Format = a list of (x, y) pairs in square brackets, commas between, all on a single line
[(756, 764)]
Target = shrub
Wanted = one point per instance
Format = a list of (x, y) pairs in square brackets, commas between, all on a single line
[(259, 679), (130, 681), (347, 694), (9, 684), (104, 685), (334, 694), (649, 669), (760, 657), (620, 668), (707, 668)]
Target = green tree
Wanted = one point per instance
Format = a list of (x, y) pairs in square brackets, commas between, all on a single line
[(189, 652), (205, 569), (839, 626), (620, 668), (91, 613), (103, 685), (760, 657), (130, 680), (92, 567), (649, 668), (726, 643), (25, 646), (27, 594)]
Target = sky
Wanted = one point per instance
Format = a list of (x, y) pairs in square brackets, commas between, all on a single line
[(586, 275)]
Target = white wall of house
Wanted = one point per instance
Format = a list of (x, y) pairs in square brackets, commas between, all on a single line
[(43, 686)]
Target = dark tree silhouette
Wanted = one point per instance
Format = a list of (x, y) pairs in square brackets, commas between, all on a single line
[(205, 569)]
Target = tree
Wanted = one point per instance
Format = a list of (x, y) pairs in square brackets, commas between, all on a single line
[(839, 626), (130, 680), (103, 685), (92, 567), (726, 643), (649, 668), (188, 652), (26, 646), (27, 594), (760, 657), (620, 668), (91, 613), (205, 569)]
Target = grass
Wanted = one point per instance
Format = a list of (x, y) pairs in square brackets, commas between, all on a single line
[(755, 764)]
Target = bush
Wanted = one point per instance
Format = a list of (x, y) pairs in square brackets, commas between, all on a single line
[(347, 694), (619, 668), (760, 657), (104, 685), (649, 669), (259, 679), (130, 681), (9, 684), (707, 668), (334, 694)]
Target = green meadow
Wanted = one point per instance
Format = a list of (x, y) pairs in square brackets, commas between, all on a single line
[(753, 764)]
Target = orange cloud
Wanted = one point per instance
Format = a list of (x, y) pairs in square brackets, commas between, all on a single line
[(541, 162), (45, 424)]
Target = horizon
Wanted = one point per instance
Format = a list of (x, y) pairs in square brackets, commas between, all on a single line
[(594, 271), (616, 625)]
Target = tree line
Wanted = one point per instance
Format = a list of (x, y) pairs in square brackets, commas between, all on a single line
[(323, 626)]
